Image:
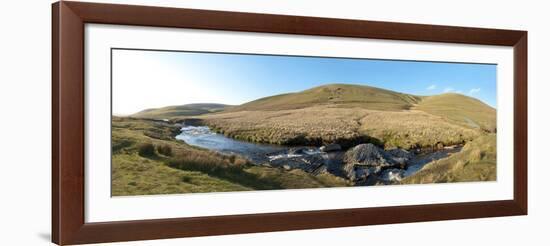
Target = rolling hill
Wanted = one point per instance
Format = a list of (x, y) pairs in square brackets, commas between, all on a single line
[(345, 95), (345, 114), (350, 114), (171, 112)]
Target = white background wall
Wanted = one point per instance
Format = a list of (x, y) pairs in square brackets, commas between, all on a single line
[(25, 125)]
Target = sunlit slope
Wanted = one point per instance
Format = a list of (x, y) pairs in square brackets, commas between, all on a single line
[(351, 114), (342, 95), (460, 109)]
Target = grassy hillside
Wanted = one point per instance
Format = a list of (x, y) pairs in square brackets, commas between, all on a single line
[(476, 162), (171, 112), (461, 109), (146, 159), (350, 114), (344, 95)]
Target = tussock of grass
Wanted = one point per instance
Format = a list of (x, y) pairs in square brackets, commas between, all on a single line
[(476, 162), (146, 150), (165, 150)]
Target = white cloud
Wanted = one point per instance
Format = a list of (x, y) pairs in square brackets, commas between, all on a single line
[(448, 89), (474, 91), (431, 87), (459, 92)]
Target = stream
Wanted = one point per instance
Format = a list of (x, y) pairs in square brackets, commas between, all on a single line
[(308, 158)]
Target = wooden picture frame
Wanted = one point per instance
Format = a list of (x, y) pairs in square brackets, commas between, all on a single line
[(68, 122)]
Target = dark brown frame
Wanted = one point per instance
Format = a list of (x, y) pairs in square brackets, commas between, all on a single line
[(68, 224)]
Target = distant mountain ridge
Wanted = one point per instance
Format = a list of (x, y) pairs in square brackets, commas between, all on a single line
[(169, 112)]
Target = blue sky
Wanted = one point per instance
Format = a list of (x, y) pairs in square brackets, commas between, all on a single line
[(147, 79)]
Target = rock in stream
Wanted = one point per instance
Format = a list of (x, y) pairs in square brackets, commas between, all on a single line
[(366, 160)]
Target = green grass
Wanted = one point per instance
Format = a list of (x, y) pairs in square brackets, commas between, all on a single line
[(476, 162), (172, 112), (135, 175), (226, 171), (298, 179), (187, 169)]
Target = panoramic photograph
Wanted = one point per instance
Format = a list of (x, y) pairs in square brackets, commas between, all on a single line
[(198, 122)]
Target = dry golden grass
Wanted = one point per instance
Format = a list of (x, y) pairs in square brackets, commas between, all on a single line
[(351, 114), (332, 124), (476, 162), (343, 95), (310, 125), (460, 109), (408, 129)]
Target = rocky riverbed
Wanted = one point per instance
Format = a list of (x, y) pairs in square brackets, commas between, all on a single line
[(363, 164)]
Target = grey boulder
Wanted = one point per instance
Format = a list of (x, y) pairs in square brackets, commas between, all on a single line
[(330, 147), (369, 155)]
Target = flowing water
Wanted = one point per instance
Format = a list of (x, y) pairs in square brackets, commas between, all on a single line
[(308, 158), (202, 136)]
